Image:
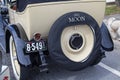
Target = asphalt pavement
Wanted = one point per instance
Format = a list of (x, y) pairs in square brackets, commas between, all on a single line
[(107, 69)]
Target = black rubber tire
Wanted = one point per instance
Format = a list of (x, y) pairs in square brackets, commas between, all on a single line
[(54, 45), (24, 71), (98, 58)]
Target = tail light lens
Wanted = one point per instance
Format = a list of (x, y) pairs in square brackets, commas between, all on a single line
[(37, 36)]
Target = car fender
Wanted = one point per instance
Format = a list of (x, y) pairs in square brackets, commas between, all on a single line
[(19, 44), (107, 42)]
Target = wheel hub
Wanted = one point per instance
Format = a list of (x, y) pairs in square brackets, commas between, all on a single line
[(76, 41)]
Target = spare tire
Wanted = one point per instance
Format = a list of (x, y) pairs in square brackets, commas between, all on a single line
[(74, 40)]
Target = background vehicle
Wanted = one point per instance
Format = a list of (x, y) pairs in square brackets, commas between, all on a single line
[(4, 73), (4, 70), (69, 32)]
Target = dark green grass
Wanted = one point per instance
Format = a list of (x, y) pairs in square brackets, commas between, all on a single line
[(112, 9)]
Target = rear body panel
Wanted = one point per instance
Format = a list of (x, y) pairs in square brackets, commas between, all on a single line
[(40, 17)]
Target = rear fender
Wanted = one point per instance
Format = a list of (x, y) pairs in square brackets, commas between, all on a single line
[(107, 42), (19, 44)]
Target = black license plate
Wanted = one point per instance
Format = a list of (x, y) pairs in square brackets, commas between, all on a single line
[(35, 46)]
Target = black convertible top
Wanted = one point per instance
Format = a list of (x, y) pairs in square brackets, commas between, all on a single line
[(21, 4)]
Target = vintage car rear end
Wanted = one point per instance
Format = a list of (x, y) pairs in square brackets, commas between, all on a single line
[(67, 31), (39, 17)]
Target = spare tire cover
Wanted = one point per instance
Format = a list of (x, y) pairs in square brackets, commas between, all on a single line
[(54, 45)]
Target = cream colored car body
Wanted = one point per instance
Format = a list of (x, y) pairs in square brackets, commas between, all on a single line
[(40, 17)]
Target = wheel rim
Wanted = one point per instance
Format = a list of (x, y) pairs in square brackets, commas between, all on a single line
[(83, 36), (14, 61)]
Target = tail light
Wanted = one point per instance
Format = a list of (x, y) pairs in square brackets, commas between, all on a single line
[(37, 36)]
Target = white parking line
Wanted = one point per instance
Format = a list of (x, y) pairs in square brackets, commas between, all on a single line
[(114, 71)]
